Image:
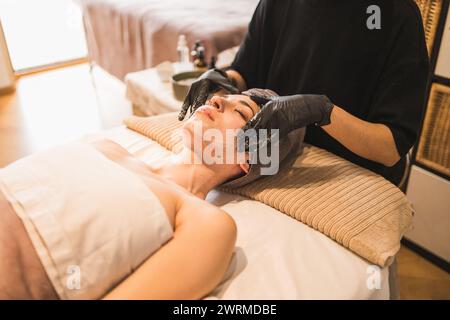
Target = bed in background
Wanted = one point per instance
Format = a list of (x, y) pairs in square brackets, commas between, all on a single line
[(131, 35)]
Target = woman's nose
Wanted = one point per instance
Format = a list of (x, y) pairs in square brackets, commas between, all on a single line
[(220, 103)]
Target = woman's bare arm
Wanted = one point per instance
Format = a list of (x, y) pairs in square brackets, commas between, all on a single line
[(191, 264)]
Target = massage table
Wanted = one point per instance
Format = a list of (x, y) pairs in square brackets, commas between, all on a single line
[(276, 257), (131, 35)]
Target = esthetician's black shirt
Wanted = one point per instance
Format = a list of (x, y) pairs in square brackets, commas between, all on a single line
[(325, 47)]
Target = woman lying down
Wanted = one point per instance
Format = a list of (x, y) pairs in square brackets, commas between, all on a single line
[(89, 221)]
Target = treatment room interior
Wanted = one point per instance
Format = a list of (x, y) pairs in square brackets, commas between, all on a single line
[(83, 70)]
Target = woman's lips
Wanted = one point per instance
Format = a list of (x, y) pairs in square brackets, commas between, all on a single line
[(207, 111)]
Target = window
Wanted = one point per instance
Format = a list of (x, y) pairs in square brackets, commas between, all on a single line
[(42, 32)]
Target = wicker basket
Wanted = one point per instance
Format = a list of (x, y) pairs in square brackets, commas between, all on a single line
[(434, 144), (430, 10)]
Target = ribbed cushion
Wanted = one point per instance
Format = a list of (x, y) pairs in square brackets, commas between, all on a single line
[(353, 206)]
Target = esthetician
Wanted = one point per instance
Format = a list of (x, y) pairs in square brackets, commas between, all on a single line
[(354, 72)]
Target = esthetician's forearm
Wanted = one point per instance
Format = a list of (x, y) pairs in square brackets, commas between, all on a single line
[(373, 141)]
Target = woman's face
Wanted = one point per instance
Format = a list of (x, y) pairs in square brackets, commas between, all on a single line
[(222, 114), (225, 112)]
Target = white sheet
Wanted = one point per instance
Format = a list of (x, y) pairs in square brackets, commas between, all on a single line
[(277, 257)]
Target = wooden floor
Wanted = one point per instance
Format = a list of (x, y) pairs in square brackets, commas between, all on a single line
[(420, 279), (57, 106), (61, 105)]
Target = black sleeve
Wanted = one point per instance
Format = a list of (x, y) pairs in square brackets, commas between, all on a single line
[(248, 57), (400, 96)]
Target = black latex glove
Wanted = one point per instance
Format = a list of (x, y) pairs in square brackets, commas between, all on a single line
[(292, 112), (209, 82)]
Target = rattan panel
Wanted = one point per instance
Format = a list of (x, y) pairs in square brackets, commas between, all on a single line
[(430, 10), (434, 144)]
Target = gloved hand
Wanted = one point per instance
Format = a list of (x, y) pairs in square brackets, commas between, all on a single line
[(209, 82), (292, 112)]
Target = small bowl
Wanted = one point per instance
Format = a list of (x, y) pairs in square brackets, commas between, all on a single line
[(181, 82)]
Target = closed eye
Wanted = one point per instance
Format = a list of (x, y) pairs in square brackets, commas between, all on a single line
[(242, 114)]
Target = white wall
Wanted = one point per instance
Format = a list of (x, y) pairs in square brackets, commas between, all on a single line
[(430, 196), (6, 72), (443, 62)]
